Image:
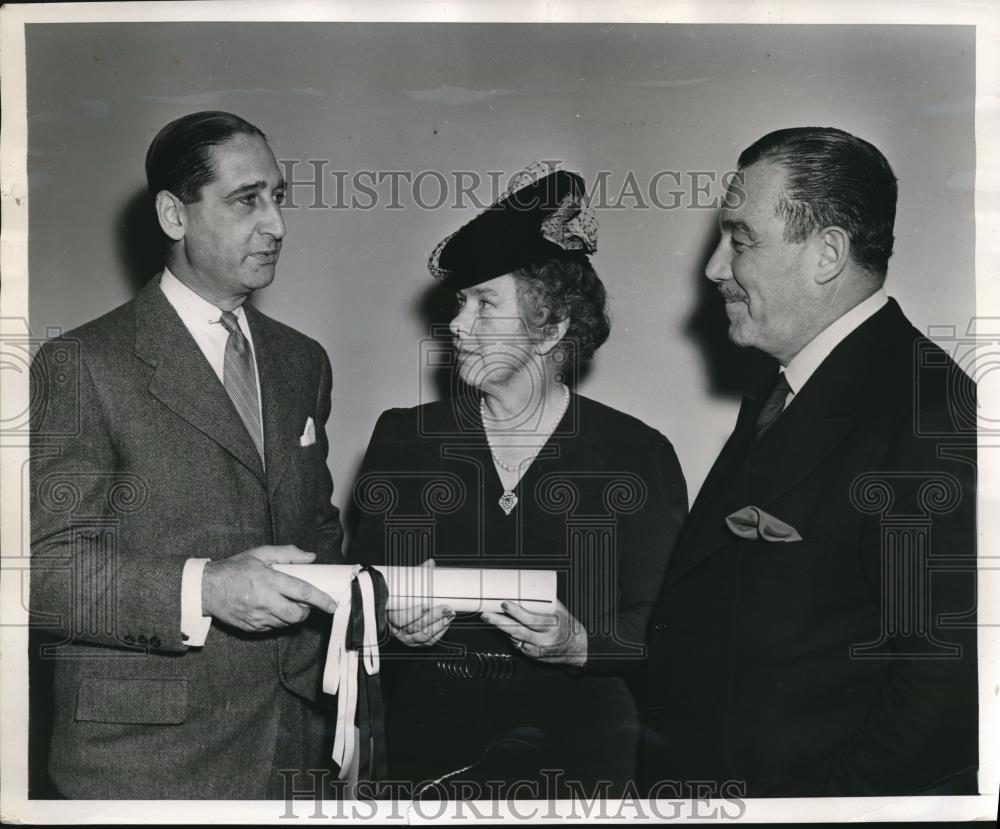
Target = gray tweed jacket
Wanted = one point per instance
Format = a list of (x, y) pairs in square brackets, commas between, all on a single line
[(140, 461)]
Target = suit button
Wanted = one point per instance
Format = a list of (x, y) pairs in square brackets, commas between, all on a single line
[(154, 641), (660, 627)]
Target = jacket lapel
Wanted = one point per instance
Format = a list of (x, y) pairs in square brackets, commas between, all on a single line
[(184, 381), (819, 417), (806, 434), (700, 536), (808, 431), (761, 373)]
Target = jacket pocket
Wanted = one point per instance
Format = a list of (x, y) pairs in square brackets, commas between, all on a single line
[(145, 701)]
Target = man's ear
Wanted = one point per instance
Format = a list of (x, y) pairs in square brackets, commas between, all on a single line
[(554, 332), (170, 214), (834, 253)]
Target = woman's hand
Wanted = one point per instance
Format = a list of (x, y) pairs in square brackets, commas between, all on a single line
[(548, 637), (420, 626)]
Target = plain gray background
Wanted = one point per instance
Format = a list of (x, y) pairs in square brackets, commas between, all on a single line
[(614, 100)]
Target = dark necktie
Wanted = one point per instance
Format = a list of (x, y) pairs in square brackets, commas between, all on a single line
[(240, 380), (773, 407)]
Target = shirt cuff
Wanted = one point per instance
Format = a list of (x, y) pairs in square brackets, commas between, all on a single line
[(194, 626)]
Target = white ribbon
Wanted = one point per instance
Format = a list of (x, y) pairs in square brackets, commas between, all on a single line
[(464, 590), (371, 623), (340, 675)]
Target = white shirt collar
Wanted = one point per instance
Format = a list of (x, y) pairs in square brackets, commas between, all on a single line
[(805, 363), (196, 312)]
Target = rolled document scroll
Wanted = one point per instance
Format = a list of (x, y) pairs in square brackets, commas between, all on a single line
[(352, 657), (464, 590)]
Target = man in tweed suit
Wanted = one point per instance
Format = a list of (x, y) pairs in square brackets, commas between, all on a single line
[(179, 450)]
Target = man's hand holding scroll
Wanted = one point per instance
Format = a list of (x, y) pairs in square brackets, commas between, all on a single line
[(243, 590)]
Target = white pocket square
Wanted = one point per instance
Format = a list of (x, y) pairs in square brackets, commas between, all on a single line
[(309, 435)]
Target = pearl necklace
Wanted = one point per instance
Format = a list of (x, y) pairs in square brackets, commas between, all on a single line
[(508, 500)]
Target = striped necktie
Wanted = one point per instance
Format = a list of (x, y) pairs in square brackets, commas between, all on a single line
[(240, 380)]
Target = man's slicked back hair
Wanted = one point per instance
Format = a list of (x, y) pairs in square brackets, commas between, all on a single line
[(833, 178), (180, 157)]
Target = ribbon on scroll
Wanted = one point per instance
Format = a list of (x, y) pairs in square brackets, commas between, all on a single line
[(363, 594), (358, 623)]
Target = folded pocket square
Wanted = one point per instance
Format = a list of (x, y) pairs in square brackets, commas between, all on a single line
[(752, 523), (309, 435)]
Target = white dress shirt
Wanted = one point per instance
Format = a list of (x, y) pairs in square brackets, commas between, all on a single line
[(202, 320), (804, 364)]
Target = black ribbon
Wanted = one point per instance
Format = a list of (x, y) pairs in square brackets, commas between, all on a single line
[(370, 714)]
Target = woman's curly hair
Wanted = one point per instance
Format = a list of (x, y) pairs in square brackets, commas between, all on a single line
[(565, 288)]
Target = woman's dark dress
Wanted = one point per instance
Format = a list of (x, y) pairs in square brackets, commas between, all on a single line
[(601, 505)]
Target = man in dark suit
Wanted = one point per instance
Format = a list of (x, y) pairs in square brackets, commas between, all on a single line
[(179, 449), (816, 632)]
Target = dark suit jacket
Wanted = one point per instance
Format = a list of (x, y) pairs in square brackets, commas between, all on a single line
[(844, 663), (139, 462)]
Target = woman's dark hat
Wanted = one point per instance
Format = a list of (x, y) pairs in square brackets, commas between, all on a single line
[(542, 214)]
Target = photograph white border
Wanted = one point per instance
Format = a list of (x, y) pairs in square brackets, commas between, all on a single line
[(14, 805)]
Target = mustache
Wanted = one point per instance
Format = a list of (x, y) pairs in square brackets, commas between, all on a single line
[(733, 293)]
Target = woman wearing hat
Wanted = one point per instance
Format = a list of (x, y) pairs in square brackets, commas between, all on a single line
[(518, 471)]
